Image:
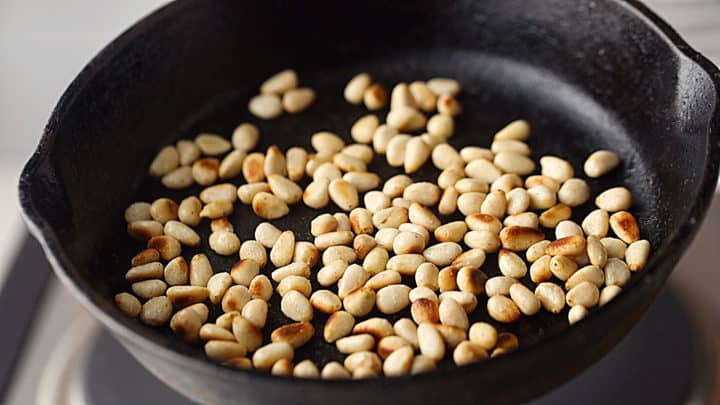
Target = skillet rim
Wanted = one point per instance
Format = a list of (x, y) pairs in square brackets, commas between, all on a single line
[(659, 267)]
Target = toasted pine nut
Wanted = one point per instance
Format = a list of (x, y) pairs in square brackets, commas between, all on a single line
[(395, 186), (294, 283), (625, 227), (325, 301), (540, 269), (447, 104), (507, 342), (443, 126), (282, 367), (221, 224), (442, 253), (297, 100), (156, 311), (600, 163), (367, 362), (296, 306), (420, 215), (519, 238), (510, 146), (343, 194), (375, 96), (323, 224), (128, 304), (145, 271), (483, 334), (468, 352), (280, 83), (554, 215), (267, 355), (451, 335), (224, 243), (417, 153), (296, 159), (448, 201), (222, 350), (334, 371), (514, 163), (382, 136), (452, 314), (422, 364), (484, 240), (200, 270), (306, 369), (316, 194), (251, 249), (235, 298), (592, 274), (225, 321), (451, 232), (471, 280), (406, 119), (608, 294), (217, 209), (266, 205), (426, 275), (596, 223), (383, 279), (511, 265), (164, 162), (614, 199), (334, 238), (574, 192), (597, 254), (231, 165), (205, 171), (363, 181), (430, 341), (260, 287), (387, 345), (244, 271), (211, 331), (401, 97), (327, 171), (163, 210), (483, 170), (239, 362), (338, 325), (360, 302), (393, 298), (422, 292), (572, 245), (295, 334), (284, 188), (355, 343), (266, 106), (408, 242), (562, 267), (327, 141), (541, 197), (395, 152), (339, 252), (585, 294), (494, 204), (306, 252), (637, 254), (348, 163), (217, 285), (525, 299), (292, 269), (274, 162), (551, 296), (507, 183), (536, 250), (179, 178), (516, 130), (465, 299), (567, 228), (425, 310)]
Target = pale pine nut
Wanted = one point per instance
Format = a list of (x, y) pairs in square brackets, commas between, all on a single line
[(483, 170), (608, 294), (348, 163), (284, 188), (225, 321), (217, 209), (541, 197), (484, 240), (443, 85), (211, 331), (422, 292), (280, 83), (205, 171), (614, 247), (452, 314), (443, 126), (326, 141), (447, 104), (128, 304), (283, 249), (562, 267), (567, 228), (468, 185), (422, 364), (188, 152), (516, 130), (408, 242), (244, 271), (266, 205), (378, 327), (447, 278), (443, 253), (251, 249), (247, 192), (614, 199), (426, 275), (266, 106), (515, 163), (245, 137), (356, 87), (334, 238), (353, 278), (466, 300), (520, 238), (596, 223), (406, 119), (382, 137), (376, 201), (577, 313), (401, 202), (536, 250), (556, 168), (551, 297), (425, 310), (399, 362), (355, 343), (138, 211), (275, 162), (322, 224), (368, 362), (164, 162), (144, 257), (600, 163), (295, 334), (334, 371), (360, 302), (338, 252), (616, 272), (586, 294), (405, 264), (483, 334), (539, 180), (222, 350), (554, 215), (451, 232), (448, 177), (255, 311), (395, 186), (235, 298), (179, 178), (574, 192), (296, 158), (597, 254), (260, 287), (471, 280), (363, 181), (282, 367), (306, 369), (217, 285), (338, 325), (387, 345), (417, 153), (297, 100), (637, 254), (430, 341), (518, 201), (393, 298), (200, 270), (376, 260), (468, 352), (296, 306), (375, 96), (494, 204), (231, 165), (361, 221), (292, 269), (327, 171), (163, 210), (294, 283), (420, 215), (451, 335), (306, 252), (418, 229), (424, 193), (316, 194), (144, 272), (540, 269), (269, 354), (511, 265), (506, 183), (625, 227), (391, 217), (156, 311), (510, 146), (591, 274), (524, 219), (224, 243)]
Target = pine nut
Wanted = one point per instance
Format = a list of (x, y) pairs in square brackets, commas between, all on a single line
[(401, 97), (443, 253), (145, 271), (494, 204), (541, 197), (200, 270), (387, 345), (375, 96), (211, 331), (247, 192), (255, 311), (292, 269), (260, 287), (514, 163), (471, 280), (323, 224), (430, 341), (399, 362), (294, 283), (325, 301), (562, 267), (567, 228), (217, 285), (242, 363), (574, 192), (225, 321), (511, 265), (591, 274), (221, 224), (368, 361), (447, 104), (395, 152), (466, 300), (551, 297), (138, 211), (422, 364), (483, 222), (395, 186), (376, 201), (282, 367), (205, 171), (468, 352), (425, 310), (235, 298), (540, 269), (156, 311), (280, 83), (306, 252), (343, 194), (217, 209), (637, 254), (163, 210), (577, 313), (585, 294), (356, 87), (614, 247), (128, 304), (266, 205), (452, 314), (353, 278), (483, 334), (483, 170), (296, 159), (338, 325), (506, 183), (183, 295), (443, 126), (417, 153), (507, 342), (391, 217), (294, 334), (568, 246), (221, 350), (188, 152), (422, 292), (375, 260), (297, 100), (426, 275), (224, 243), (600, 163), (179, 178), (597, 254), (382, 137), (326, 141), (614, 199), (334, 371), (363, 181), (245, 137), (316, 194), (383, 279), (405, 264), (266, 106), (244, 271), (554, 215), (406, 329), (608, 294), (164, 162), (520, 238), (393, 298), (420, 215), (451, 232), (448, 201), (484, 240), (360, 302), (556, 168), (344, 253), (465, 186), (251, 249), (334, 238), (424, 193), (596, 223), (524, 219), (231, 165), (274, 162), (406, 119), (253, 168), (418, 229), (306, 369), (518, 201), (625, 227), (269, 354), (355, 343), (616, 272), (408, 242), (348, 163), (539, 180), (284, 188), (296, 306), (536, 250), (451, 335)]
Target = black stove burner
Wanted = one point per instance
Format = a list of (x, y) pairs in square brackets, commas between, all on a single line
[(657, 363)]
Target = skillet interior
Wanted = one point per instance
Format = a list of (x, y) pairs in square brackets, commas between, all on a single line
[(612, 82)]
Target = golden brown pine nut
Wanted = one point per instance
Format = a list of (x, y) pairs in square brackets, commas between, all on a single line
[(511, 265), (295, 334), (466, 300), (296, 158), (128, 304), (625, 227), (247, 192), (536, 250), (325, 301), (306, 369), (363, 364), (502, 309), (183, 295), (255, 311), (541, 197), (282, 367), (518, 201), (245, 137), (205, 171), (188, 152), (296, 306), (540, 269), (524, 219), (163, 210), (425, 310), (468, 352), (585, 294), (554, 215), (447, 104), (225, 321), (200, 270), (338, 325), (260, 287), (306, 252), (423, 216), (444, 156), (353, 278), (452, 314), (422, 292), (244, 271), (145, 271), (519, 238), (294, 283), (399, 362), (235, 298), (483, 334), (251, 249), (494, 204), (562, 267), (375, 96), (387, 345)]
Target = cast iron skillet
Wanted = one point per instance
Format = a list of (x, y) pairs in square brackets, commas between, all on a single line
[(587, 74)]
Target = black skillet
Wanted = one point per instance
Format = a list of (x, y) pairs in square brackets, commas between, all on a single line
[(586, 74)]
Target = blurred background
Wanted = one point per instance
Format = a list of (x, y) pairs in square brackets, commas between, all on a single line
[(44, 44)]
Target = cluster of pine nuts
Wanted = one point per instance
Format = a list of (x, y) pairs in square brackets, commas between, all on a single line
[(381, 238), (281, 93)]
